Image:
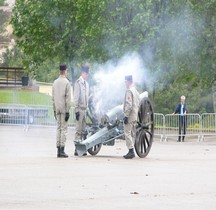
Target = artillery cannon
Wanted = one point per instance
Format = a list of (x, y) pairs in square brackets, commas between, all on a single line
[(111, 128)]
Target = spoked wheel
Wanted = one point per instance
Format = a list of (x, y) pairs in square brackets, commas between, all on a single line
[(145, 128), (95, 149)]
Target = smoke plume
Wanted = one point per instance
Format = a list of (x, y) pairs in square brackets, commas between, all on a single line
[(110, 86)]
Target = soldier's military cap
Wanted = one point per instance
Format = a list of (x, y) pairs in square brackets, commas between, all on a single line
[(129, 78), (62, 67), (85, 68)]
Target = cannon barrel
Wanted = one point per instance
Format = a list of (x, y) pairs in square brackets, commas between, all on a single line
[(103, 136), (117, 112), (113, 115)]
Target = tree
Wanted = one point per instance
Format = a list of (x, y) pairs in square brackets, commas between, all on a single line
[(175, 38), (171, 37), (57, 29), (168, 34), (3, 20), (12, 58), (207, 52), (2, 3)]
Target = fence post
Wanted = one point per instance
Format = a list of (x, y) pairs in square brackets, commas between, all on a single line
[(26, 127)]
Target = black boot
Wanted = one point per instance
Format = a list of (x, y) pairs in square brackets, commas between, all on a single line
[(183, 138), (62, 153), (58, 151), (130, 154)]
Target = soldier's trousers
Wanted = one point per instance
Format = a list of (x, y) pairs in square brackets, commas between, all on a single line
[(80, 125), (62, 126), (130, 134)]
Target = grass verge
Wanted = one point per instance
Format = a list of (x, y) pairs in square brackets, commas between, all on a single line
[(24, 97)]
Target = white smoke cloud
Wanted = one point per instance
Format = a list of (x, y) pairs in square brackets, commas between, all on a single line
[(110, 81)]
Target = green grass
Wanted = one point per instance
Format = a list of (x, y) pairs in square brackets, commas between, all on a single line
[(24, 97)]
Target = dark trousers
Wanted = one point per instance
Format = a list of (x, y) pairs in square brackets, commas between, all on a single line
[(182, 127)]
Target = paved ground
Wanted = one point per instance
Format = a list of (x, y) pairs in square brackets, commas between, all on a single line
[(174, 176)]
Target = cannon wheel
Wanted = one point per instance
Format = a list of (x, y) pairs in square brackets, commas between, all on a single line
[(145, 128), (95, 149)]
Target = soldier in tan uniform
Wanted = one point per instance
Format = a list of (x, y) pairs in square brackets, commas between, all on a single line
[(81, 96), (61, 96), (130, 109)]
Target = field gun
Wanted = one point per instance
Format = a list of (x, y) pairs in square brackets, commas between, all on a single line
[(111, 128)]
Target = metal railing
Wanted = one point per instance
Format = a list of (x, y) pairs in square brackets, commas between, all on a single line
[(208, 125), (173, 125), (166, 126), (31, 115), (159, 130)]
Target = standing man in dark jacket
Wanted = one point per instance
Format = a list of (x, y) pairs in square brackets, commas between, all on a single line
[(61, 97), (81, 96), (182, 110)]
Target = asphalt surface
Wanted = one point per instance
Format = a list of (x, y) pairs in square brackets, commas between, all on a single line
[(174, 176)]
